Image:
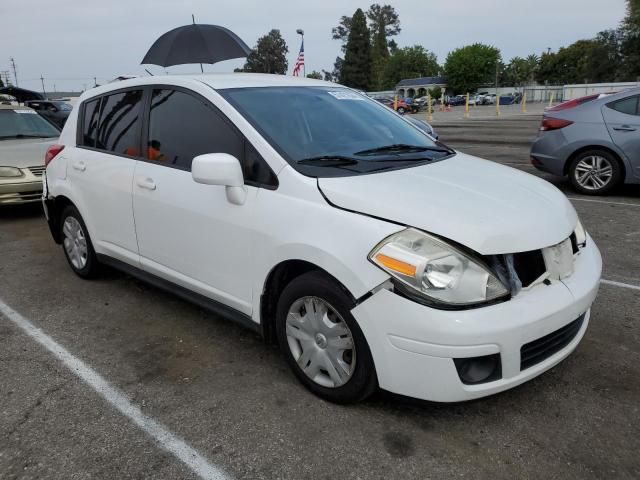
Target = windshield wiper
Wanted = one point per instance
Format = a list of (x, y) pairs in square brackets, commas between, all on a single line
[(329, 161), (400, 148)]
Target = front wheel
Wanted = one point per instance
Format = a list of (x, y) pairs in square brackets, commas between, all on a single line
[(401, 110), (595, 172), (321, 340), (77, 244)]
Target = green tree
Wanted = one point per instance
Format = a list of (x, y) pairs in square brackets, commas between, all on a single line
[(378, 15), (341, 32), (585, 61), (409, 62), (435, 92), (356, 68), (379, 56), (385, 16), (315, 75), (470, 67), (630, 42), (269, 55)]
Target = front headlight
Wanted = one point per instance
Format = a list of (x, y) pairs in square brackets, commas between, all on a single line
[(10, 172), (436, 272), (581, 235)]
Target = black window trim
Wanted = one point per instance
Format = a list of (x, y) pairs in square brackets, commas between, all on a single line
[(147, 91), (612, 105), (216, 111), (100, 98)]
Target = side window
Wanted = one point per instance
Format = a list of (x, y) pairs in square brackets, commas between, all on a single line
[(91, 114), (120, 123), (182, 126), (628, 106)]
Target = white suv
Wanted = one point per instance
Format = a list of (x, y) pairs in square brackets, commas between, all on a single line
[(374, 255)]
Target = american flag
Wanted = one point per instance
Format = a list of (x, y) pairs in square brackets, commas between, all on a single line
[(299, 61)]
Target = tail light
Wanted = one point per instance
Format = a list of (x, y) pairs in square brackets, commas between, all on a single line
[(549, 123), (52, 151), (576, 102)]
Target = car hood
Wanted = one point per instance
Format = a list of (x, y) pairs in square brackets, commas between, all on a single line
[(24, 152), (483, 205)]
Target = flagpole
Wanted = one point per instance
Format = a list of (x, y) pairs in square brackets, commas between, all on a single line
[(304, 65)]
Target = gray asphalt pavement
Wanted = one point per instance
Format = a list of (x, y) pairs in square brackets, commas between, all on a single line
[(233, 399)]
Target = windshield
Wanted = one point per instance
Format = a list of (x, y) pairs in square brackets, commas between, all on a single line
[(25, 124), (333, 131)]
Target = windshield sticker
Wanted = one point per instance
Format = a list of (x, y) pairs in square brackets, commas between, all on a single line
[(342, 95), (26, 111)]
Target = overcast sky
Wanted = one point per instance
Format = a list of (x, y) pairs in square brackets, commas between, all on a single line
[(71, 41)]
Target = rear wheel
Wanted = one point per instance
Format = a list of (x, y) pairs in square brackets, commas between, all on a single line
[(76, 243), (595, 172), (321, 340)]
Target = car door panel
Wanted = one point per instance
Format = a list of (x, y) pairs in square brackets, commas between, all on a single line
[(102, 183), (191, 234), (624, 128), (101, 175)]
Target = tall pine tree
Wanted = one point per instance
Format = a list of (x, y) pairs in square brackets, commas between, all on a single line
[(380, 55), (357, 66)]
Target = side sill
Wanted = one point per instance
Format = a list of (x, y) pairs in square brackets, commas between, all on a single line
[(203, 302)]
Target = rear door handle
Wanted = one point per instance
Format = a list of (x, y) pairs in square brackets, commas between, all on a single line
[(80, 166), (147, 183), (625, 128)]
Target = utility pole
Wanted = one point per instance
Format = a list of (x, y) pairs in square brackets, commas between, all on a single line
[(15, 74), (95, 82), (43, 91)]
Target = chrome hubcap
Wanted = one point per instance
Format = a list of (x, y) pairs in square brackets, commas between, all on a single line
[(75, 243), (594, 172), (320, 342)]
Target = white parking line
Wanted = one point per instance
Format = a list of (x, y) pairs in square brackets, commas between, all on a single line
[(604, 201), (167, 440), (620, 284)]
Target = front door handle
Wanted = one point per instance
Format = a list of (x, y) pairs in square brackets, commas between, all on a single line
[(147, 183), (80, 166), (625, 128)]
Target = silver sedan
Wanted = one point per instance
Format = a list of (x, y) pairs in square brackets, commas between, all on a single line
[(594, 140)]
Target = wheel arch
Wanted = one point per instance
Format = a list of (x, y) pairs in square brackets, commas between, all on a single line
[(55, 206), (278, 278), (604, 148)]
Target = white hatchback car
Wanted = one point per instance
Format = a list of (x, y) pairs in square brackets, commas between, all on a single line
[(374, 255)]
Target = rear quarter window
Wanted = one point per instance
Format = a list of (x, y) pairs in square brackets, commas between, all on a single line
[(89, 126), (628, 106)]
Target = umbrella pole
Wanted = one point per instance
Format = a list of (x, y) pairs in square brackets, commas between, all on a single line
[(193, 19)]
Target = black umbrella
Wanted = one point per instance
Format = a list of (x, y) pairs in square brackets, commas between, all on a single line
[(196, 44), (20, 94)]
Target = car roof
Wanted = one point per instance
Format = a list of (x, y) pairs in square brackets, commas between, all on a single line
[(217, 81)]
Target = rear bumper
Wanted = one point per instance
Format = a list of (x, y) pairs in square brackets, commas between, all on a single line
[(549, 150), (413, 346)]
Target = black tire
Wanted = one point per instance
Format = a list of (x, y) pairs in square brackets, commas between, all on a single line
[(614, 181), (363, 381), (91, 266), (401, 110)]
